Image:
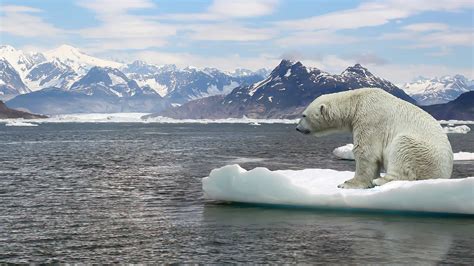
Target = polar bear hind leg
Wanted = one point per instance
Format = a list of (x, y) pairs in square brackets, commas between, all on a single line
[(409, 159)]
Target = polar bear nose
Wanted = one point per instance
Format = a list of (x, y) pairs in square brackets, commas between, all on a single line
[(302, 130)]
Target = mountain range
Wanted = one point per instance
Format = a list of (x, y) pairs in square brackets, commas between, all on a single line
[(283, 94), (65, 80), (438, 90)]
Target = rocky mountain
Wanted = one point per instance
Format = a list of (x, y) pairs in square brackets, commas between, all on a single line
[(101, 90), (462, 108), (283, 94), (50, 74), (67, 68), (438, 90), (10, 81), (182, 85), (6, 112)]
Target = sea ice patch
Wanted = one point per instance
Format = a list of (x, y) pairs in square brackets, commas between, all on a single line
[(318, 188), (457, 129)]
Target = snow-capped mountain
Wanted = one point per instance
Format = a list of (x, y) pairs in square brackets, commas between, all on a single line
[(21, 61), (101, 90), (64, 66), (10, 81), (438, 90), (108, 81), (181, 85), (77, 60), (284, 93), (50, 74)]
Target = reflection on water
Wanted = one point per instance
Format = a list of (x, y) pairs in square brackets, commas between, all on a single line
[(69, 193)]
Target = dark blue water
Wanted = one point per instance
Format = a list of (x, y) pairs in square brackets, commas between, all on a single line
[(132, 193)]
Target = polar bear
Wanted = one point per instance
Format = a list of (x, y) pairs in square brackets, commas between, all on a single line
[(388, 133)]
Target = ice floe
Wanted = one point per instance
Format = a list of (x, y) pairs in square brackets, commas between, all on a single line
[(19, 123), (345, 153), (458, 129), (464, 156), (317, 188)]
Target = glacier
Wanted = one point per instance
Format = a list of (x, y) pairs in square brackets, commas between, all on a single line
[(317, 188)]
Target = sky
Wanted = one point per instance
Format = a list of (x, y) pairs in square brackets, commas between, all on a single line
[(396, 39)]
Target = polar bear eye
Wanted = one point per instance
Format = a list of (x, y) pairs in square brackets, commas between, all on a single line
[(304, 116)]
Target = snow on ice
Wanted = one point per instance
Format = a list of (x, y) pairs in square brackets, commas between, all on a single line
[(345, 153), (317, 188)]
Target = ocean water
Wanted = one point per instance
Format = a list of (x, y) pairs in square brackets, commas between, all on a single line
[(98, 193)]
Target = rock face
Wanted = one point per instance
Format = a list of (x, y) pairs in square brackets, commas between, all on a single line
[(438, 90), (6, 112), (283, 94), (462, 108)]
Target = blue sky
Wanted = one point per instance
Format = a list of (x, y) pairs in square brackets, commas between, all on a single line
[(397, 39)]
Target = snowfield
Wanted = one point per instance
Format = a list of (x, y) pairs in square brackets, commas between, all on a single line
[(317, 188)]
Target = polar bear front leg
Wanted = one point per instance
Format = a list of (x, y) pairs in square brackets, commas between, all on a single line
[(367, 169)]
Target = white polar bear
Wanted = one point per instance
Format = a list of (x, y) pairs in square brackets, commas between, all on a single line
[(388, 133)]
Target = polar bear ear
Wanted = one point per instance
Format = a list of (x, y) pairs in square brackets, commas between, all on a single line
[(323, 108)]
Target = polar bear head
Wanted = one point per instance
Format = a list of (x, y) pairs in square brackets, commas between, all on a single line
[(325, 115)]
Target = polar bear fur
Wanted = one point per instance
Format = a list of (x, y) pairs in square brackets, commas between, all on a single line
[(388, 133)]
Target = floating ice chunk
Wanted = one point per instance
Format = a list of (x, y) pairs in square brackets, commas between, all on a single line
[(458, 129), (255, 124), (318, 188), (16, 123), (344, 152), (454, 122), (464, 156)]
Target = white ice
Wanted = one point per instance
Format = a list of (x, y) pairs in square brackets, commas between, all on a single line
[(317, 188), (464, 156), (345, 153), (137, 118), (20, 123), (457, 129)]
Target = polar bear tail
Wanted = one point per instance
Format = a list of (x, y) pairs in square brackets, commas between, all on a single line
[(412, 158)]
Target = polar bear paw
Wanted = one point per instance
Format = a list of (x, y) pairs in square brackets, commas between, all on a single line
[(380, 181), (354, 183)]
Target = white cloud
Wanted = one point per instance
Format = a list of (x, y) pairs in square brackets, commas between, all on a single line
[(307, 38), (25, 21), (120, 30), (373, 13), (228, 32), (229, 62), (422, 27), (242, 8), (222, 10)]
